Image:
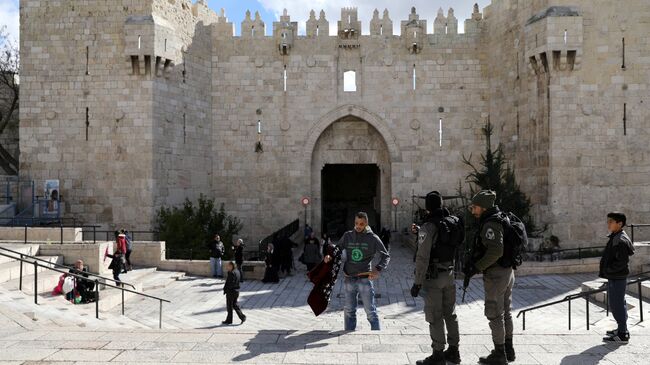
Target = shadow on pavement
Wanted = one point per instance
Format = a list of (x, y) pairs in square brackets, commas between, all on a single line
[(286, 343), (590, 356)]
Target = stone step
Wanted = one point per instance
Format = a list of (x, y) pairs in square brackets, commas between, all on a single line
[(161, 279), (11, 270), (57, 312), (26, 249)]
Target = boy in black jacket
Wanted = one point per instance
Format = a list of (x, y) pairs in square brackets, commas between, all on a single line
[(231, 290), (615, 267)]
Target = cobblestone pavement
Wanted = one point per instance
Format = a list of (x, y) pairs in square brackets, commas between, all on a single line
[(282, 330)]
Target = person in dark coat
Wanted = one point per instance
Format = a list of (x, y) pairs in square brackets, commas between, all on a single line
[(239, 257), (272, 265), (312, 252), (231, 291), (615, 267), (117, 265), (285, 253)]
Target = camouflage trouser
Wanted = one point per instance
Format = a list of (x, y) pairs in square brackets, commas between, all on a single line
[(498, 282), (440, 309)]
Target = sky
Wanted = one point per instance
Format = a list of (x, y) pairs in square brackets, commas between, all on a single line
[(270, 11)]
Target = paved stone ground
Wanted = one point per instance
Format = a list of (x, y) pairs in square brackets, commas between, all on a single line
[(282, 330)]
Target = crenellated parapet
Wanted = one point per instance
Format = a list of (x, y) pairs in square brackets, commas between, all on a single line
[(253, 28), (414, 32), (381, 26), (284, 32), (317, 27)]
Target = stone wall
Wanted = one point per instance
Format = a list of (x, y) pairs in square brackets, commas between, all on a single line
[(92, 254), (173, 105), (35, 234)]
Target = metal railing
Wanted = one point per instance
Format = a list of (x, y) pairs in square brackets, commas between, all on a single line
[(110, 235), (23, 255), (641, 277), (286, 231), (582, 252), (632, 230), (81, 277)]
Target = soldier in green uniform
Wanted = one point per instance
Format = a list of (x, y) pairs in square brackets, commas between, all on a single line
[(436, 276), (497, 280)]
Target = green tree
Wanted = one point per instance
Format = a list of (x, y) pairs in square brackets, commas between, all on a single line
[(191, 227), (495, 173)]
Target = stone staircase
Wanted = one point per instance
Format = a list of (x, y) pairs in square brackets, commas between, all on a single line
[(56, 310)]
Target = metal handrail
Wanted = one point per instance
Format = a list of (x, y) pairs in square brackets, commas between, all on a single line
[(640, 277), (559, 251), (59, 265), (632, 230), (81, 277)]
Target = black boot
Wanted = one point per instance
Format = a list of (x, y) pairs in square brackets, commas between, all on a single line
[(496, 357), (510, 350), (452, 355), (437, 358)]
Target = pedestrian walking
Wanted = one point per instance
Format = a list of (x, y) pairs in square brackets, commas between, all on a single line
[(231, 291)]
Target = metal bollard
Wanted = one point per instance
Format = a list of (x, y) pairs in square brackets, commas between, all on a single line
[(97, 298), (35, 282)]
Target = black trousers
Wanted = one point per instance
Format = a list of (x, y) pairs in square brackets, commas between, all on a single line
[(128, 258), (231, 303)]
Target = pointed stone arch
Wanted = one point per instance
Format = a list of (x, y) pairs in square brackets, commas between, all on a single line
[(356, 111)]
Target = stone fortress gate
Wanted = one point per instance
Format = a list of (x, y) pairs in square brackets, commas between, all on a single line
[(133, 105)]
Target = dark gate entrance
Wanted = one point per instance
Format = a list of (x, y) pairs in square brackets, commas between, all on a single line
[(347, 189)]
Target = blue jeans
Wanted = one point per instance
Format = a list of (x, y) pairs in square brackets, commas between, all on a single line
[(215, 267), (616, 297), (353, 288)]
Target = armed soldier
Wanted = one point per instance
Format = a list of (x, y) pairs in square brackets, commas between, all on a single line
[(434, 271), (491, 256)]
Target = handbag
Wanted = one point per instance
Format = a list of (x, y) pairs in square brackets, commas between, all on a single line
[(68, 284)]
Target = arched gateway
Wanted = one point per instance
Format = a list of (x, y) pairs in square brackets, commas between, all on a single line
[(352, 154)]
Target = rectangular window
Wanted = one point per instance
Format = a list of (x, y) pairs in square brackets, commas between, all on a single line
[(349, 81), (87, 58)]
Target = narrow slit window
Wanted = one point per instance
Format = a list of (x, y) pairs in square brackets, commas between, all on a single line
[(87, 121), (184, 128), (414, 78), (284, 77), (87, 58), (139, 42), (253, 31), (625, 119), (565, 36), (349, 19), (184, 72), (440, 132), (350, 81), (165, 44), (623, 52), (381, 30), (317, 31)]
